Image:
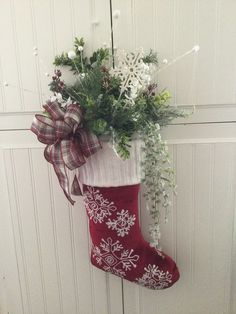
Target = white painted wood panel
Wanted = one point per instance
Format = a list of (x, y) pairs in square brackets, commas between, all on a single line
[(51, 243), (173, 27), (50, 26), (45, 266), (198, 235)]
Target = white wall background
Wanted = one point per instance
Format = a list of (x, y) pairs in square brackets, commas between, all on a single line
[(44, 243)]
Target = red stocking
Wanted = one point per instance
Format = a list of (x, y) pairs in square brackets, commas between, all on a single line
[(118, 245)]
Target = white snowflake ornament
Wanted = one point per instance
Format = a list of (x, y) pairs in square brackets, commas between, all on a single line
[(132, 71)]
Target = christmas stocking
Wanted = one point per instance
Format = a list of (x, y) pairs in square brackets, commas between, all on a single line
[(118, 246)]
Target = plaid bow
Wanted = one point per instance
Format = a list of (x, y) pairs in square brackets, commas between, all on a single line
[(68, 143)]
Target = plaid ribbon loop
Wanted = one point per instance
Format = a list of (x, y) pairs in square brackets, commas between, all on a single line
[(68, 143)]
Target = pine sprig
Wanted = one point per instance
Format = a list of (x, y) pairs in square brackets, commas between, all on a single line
[(151, 58), (121, 116)]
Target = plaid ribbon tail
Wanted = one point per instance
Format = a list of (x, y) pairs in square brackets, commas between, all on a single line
[(68, 145), (60, 169), (75, 188)]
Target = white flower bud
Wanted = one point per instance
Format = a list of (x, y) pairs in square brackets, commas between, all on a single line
[(71, 54), (53, 98), (196, 48), (80, 48), (116, 14), (59, 96)]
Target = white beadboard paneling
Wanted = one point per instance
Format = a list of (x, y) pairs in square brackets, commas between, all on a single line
[(10, 59), (225, 56), (123, 28), (185, 25), (10, 283), (233, 271), (46, 264), (25, 38), (165, 40), (173, 27), (24, 212), (46, 239), (202, 226), (208, 32), (51, 27), (100, 19), (52, 245), (224, 192)]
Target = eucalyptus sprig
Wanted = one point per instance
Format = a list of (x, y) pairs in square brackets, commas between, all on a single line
[(157, 178)]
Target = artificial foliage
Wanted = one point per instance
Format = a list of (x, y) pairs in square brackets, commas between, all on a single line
[(123, 103)]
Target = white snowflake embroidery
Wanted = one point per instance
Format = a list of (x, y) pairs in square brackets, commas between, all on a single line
[(132, 71), (155, 278), (97, 207), (122, 223), (114, 258)]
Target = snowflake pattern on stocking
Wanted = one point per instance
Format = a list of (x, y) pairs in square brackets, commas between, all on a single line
[(155, 278), (114, 258), (97, 207), (122, 223)]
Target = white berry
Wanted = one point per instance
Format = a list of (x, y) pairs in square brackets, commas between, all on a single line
[(71, 54), (116, 14), (196, 48), (80, 48)]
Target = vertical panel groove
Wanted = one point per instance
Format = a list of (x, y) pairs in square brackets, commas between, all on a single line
[(216, 45), (122, 294), (91, 273), (14, 240), (72, 14), (232, 272), (133, 17), (92, 17), (195, 57), (174, 27), (212, 206), (75, 275), (154, 26), (193, 235), (36, 221), (20, 227), (52, 15), (174, 210), (55, 242), (3, 95), (108, 294), (17, 54), (229, 269), (37, 66)]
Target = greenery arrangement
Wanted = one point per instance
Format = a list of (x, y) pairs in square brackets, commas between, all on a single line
[(122, 102)]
